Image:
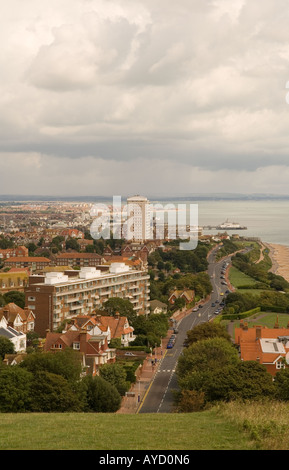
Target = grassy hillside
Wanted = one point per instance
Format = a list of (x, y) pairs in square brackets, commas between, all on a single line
[(227, 427)]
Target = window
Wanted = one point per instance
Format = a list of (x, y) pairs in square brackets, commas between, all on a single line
[(76, 346), (280, 365)]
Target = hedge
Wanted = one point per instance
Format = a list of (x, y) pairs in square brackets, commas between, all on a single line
[(240, 316)]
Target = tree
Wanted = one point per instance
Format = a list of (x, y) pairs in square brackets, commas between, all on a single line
[(101, 396), (72, 244), (116, 375), (204, 355), (6, 347), (15, 389), (53, 393), (282, 384), (66, 363), (207, 330), (122, 306), (15, 297)]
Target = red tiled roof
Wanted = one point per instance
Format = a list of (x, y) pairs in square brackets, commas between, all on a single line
[(78, 255), (27, 259)]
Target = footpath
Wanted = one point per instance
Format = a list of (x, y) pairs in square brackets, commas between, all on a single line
[(145, 375)]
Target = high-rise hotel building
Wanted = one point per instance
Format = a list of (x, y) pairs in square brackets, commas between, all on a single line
[(58, 296), (139, 216)]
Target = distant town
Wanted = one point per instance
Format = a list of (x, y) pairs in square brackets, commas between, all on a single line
[(121, 303)]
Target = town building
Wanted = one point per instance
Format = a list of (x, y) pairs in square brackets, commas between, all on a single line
[(157, 307), (112, 327), (57, 296), (16, 337), (13, 252), (268, 346), (15, 279), (20, 319), (139, 219), (78, 259), (93, 348), (34, 263), (187, 294)]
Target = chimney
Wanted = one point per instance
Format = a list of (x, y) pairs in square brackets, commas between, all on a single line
[(245, 326), (258, 332), (82, 340)]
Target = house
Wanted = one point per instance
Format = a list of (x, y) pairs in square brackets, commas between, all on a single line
[(13, 252), (158, 307), (15, 279), (186, 294), (93, 348), (268, 346), (78, 259), (13, 359), (16, 337), (22, 320), (106, 326), (34, 263), (119, 327)]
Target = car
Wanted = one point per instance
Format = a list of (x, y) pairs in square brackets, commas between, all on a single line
[(176, 331), (222, 293), (200, 306), (195, 309), (217, 301), (216, 312), (170, 345), (213, 304), (129, 354)]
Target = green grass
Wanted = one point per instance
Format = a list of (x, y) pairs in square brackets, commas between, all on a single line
[(72, 431), (237, 278)]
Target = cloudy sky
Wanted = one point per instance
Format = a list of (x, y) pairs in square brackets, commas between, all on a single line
[(105, 97)]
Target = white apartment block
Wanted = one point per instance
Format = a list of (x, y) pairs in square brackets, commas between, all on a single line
[(139, 219), (58, 296)]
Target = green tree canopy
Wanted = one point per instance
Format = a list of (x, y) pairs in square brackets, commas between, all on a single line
[(116, 375), (101, 396), (207, 330), (208, 354), (6, 347), (66, 363), (122, 306), (15, 389)]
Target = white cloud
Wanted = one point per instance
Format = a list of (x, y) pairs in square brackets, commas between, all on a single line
[(178, 88)]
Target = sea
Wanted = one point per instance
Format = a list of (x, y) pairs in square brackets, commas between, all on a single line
[(267, 219)]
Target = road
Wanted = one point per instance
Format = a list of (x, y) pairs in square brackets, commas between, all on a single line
[(159, 397)]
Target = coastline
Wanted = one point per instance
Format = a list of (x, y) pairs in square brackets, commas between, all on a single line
[(279, 255)]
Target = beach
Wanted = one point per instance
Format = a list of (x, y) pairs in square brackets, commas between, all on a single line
[(279, 255)]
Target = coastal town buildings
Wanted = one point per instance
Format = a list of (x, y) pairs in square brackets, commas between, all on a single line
[(34, 263), (94, 348), (111, 327), (57, 296), (139, 219), (22, 320), (268, 346), (18, 338)]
